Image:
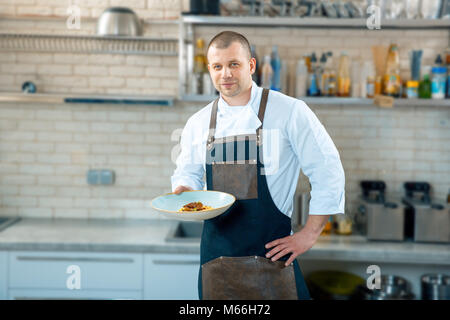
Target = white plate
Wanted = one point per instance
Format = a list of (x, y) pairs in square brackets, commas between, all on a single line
[(169, 204)]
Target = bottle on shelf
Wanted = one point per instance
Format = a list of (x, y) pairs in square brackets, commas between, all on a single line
[(301, 78), (425, 84), (344, 81), (321, 75), (200, 66), (313, 89), (392, 81), (331, 82), (266, 73), (370, 82), (276, 68), (438, 82)]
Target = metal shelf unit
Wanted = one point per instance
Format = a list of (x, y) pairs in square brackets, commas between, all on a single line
[(88, 44), (188, 22)]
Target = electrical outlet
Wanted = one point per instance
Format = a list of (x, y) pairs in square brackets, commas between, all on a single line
[(107, 177), (100, 177)]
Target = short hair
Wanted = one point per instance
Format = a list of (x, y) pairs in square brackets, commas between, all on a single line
[(225, 38)]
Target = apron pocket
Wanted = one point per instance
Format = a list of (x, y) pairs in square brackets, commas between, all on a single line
[(240, 180), (248, 278)]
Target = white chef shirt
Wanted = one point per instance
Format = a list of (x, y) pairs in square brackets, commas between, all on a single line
[(293, 139)]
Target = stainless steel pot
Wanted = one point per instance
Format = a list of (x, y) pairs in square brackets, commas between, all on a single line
[(392, 288), (119, 21), (435, 287)]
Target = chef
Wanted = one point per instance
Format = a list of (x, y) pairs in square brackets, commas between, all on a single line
[(252, 142)]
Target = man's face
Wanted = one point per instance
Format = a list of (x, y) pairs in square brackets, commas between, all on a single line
[(231, 69)]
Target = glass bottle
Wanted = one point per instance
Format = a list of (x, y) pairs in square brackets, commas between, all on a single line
[(200, 64), (344, 81)]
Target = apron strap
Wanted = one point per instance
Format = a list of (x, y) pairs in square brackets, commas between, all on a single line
[(212, 121), (212, 125), (262, 110)]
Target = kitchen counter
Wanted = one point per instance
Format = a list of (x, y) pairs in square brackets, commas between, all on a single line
[(100, 235), (148, 236)]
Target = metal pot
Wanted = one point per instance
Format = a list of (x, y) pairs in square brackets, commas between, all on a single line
[(119, 21), (392, 288), (435, 287)]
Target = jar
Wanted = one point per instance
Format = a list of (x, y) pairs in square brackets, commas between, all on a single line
[(438, 81), (412, 89)]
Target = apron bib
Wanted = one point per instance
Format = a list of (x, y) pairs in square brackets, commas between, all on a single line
[(232, 249)]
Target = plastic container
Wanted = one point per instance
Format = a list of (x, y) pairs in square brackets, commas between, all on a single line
[(392, 82), (412, 89), (425, 84), (301, 78), (438, 82)]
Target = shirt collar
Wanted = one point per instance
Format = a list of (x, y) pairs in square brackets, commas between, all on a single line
[(223, 106)]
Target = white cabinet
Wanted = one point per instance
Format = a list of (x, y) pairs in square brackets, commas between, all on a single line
[(171, 276), (3, 274), (79, 275)]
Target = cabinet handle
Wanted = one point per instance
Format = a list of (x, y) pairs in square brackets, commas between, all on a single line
[(84, 259), (177, 262)]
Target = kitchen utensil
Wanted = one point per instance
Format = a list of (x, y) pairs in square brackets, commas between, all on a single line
[(435, 287), (119, 21), (412, 8), (333, 285), (391, 288), (169, 204), (430, 9)]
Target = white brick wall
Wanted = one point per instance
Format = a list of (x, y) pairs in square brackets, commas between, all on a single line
[(45, 150)]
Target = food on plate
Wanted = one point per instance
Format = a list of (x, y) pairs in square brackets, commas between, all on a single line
[(194, 206)]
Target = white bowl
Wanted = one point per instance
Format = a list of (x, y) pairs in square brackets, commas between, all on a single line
[(169, 204)]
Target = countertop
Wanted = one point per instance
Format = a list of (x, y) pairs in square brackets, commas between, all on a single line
[(149, 236)]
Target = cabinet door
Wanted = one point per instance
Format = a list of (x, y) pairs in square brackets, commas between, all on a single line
[(52, 294), (3, 274), (171, 276), (67, 270)]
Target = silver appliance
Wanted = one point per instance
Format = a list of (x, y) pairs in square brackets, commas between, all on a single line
[(301, 208), (427, 220), (378, 218)]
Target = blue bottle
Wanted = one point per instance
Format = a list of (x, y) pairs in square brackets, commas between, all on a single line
[(276, 67), (313, 89)]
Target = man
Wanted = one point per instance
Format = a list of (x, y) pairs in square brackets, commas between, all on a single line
[(249, 251)]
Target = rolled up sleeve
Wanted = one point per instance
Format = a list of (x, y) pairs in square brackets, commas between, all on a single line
[(190, 170), (319, 160)]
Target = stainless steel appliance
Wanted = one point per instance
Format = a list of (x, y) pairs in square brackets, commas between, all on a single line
[(378, 218), (427, 220), (301, 208)]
